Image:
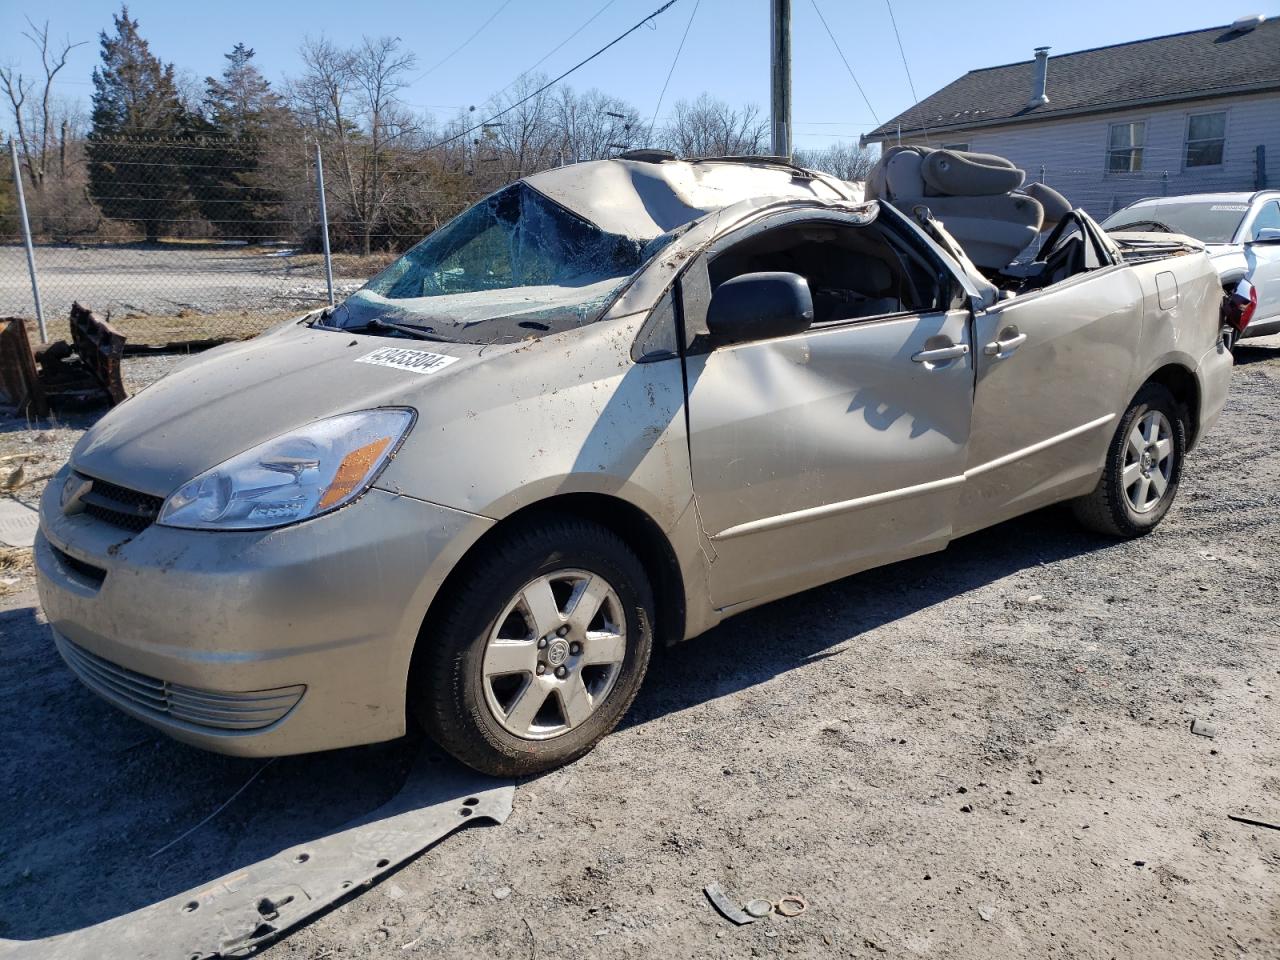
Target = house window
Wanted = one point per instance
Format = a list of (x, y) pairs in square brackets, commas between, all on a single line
[(1206, 136), (1124, 146), (962, 147)]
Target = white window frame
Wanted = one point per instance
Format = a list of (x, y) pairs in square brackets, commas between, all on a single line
[(1187, 141), (1139, 149)]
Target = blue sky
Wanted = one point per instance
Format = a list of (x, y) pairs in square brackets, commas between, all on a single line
[(726, 54)]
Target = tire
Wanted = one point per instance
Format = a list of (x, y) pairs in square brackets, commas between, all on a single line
[(1140, 480), (500, 675)]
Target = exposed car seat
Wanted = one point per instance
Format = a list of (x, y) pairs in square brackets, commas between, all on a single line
[(975, 195)]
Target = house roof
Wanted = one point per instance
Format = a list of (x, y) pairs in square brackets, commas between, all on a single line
[(1193, 65)]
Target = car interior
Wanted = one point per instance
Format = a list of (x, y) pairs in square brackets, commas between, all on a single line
[(853, 272)]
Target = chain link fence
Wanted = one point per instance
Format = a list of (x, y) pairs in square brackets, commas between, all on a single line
[(180, 241)]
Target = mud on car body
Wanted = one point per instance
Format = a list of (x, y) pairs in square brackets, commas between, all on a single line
[(608, 406)]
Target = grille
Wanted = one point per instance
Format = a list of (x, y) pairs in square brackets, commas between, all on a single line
[(190, 705), (120, 506), (87, 571)]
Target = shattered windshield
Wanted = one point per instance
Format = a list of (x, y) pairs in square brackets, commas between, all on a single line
[(1211, 221), (516, 257)]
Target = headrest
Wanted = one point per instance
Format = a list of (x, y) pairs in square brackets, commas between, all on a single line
[(961, 174), (874, 278)]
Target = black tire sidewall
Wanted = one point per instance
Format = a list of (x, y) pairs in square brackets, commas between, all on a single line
[(474, 734)]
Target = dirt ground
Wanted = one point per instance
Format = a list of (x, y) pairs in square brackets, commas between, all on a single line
[(983, 753)]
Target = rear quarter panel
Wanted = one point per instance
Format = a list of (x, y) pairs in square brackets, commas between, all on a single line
[(1183, 329)]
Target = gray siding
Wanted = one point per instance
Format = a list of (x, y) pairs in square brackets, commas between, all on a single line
[(1071, 154)]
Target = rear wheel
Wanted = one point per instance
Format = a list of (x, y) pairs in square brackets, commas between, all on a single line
[(540, 652), (1143, 468)]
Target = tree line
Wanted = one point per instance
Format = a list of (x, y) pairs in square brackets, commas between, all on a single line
[(160, 156)]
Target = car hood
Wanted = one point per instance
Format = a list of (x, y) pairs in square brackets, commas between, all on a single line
[(235, 397)]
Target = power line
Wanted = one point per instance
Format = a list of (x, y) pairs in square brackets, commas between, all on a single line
[(547, 86), (460, 47), (910, 83), (836, 44), (674, 61), (556, 49)]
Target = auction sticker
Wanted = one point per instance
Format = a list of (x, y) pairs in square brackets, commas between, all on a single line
[(415, 361)]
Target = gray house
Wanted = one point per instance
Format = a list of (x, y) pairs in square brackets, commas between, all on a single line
[(1185, 113)]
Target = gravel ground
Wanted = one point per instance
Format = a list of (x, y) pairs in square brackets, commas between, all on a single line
[(982, 753)]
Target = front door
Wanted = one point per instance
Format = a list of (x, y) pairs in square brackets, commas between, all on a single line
[(822, 453)]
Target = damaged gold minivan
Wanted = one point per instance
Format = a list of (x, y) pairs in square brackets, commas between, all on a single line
[(606, 407)]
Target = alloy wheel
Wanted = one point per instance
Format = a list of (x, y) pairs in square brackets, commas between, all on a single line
[(1148, 461), (554, 654)]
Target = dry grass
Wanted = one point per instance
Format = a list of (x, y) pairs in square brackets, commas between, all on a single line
[(346, 266), (16, 563), (190, 325)]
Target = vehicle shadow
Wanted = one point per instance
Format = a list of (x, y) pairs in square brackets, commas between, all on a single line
[(1244, 353), (756, 646)]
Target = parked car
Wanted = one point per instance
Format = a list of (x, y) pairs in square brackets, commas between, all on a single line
[(1241, 232), (607, 407)]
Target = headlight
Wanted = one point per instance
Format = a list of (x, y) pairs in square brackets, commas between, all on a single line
[(302, 474)]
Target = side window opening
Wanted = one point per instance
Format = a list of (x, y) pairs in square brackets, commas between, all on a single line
[(1268, 218), (854, 272)]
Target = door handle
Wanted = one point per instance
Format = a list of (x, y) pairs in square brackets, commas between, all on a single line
[(1002, 348), (940, 354)]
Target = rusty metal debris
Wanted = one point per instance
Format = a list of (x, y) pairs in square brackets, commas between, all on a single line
[(86, 370), (100, 347), (19, 382)]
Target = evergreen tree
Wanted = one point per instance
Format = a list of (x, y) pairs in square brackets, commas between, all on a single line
[(241, 112), (241, 104), (137, 116)]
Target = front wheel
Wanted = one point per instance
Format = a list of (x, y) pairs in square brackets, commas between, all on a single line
[(540, 652), (1143, 467)]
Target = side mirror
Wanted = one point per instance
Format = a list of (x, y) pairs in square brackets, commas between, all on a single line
[(759, 306), (1267, 235)]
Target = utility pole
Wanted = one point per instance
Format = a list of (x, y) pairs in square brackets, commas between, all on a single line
[(780, 77)]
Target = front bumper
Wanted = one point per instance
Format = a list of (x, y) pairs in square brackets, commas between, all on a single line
[(256, 643)]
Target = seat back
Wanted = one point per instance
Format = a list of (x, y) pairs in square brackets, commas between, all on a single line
[(975, 195)]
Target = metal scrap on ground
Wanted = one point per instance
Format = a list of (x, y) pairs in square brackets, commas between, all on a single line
[(239, 912)]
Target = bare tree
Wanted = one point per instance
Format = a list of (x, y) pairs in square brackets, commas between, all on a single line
[(349, 98), (845, 160), (593, 125), (36, 123), (708, 127), (524, 139)]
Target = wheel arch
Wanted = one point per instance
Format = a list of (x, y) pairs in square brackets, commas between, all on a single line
[(631, 524), (1181, 381)]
